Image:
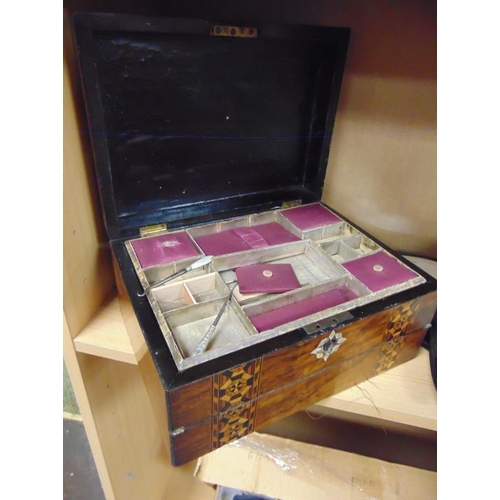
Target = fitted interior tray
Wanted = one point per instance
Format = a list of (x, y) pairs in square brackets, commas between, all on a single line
[(335, 268)]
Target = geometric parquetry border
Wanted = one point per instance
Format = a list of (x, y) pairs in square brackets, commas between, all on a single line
[(234, 392)]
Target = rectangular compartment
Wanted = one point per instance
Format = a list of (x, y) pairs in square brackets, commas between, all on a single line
[(242, 234), (188, 325), (304, 306), (309, 265)]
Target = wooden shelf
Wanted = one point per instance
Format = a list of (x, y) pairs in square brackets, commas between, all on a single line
[(106, 336), (404, 395)]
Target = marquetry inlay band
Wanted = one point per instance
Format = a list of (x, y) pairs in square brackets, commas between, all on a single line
[(234, 392), (395, 336)]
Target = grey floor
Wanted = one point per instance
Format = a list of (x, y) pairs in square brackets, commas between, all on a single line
[(80, 478)]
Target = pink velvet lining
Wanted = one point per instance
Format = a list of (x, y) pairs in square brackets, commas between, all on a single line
[(164, 248), (310, 216), (298, 310), (266, 278), (379, 270), (245, 238)]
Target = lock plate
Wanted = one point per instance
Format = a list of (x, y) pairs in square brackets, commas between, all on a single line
[(328, 324)]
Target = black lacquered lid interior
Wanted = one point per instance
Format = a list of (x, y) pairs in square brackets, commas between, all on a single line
[(187, 126)]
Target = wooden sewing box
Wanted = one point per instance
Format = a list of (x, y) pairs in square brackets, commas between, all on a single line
[(213, 139)]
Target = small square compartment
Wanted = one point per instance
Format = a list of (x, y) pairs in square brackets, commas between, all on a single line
[(206, 288), (362, 244), (189, 325), (338, 251), (172, 297)]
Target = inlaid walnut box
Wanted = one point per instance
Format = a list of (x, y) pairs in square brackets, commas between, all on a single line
[(212, 140)]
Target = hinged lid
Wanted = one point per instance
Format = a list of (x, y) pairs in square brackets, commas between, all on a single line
[(192, 121)]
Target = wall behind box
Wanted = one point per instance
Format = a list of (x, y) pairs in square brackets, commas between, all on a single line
[(382, 168)]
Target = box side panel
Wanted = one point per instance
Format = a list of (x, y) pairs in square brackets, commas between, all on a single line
[(191, 404), (241, 419), (191, 443)]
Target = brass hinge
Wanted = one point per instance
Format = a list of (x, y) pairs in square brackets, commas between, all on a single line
[(236, 31), (153, 229), (291, 204)]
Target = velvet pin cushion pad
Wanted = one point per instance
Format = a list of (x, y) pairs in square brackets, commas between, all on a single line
[(310, 216), (266, 278), (245, 238), (379, 271), (164, 249)]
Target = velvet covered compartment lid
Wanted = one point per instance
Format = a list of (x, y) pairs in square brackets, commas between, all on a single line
[(188, 126), (266, 278), (310, 216), (379, 270)]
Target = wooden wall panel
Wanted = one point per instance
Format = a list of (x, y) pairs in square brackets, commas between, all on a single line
[(87, 268)]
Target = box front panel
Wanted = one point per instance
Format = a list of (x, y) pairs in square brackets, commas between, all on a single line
[(247, 417), (295, 363), (343, 375), (243, 383)]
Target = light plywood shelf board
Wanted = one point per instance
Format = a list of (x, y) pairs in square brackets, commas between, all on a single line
[(404, 394), (106, 336)]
